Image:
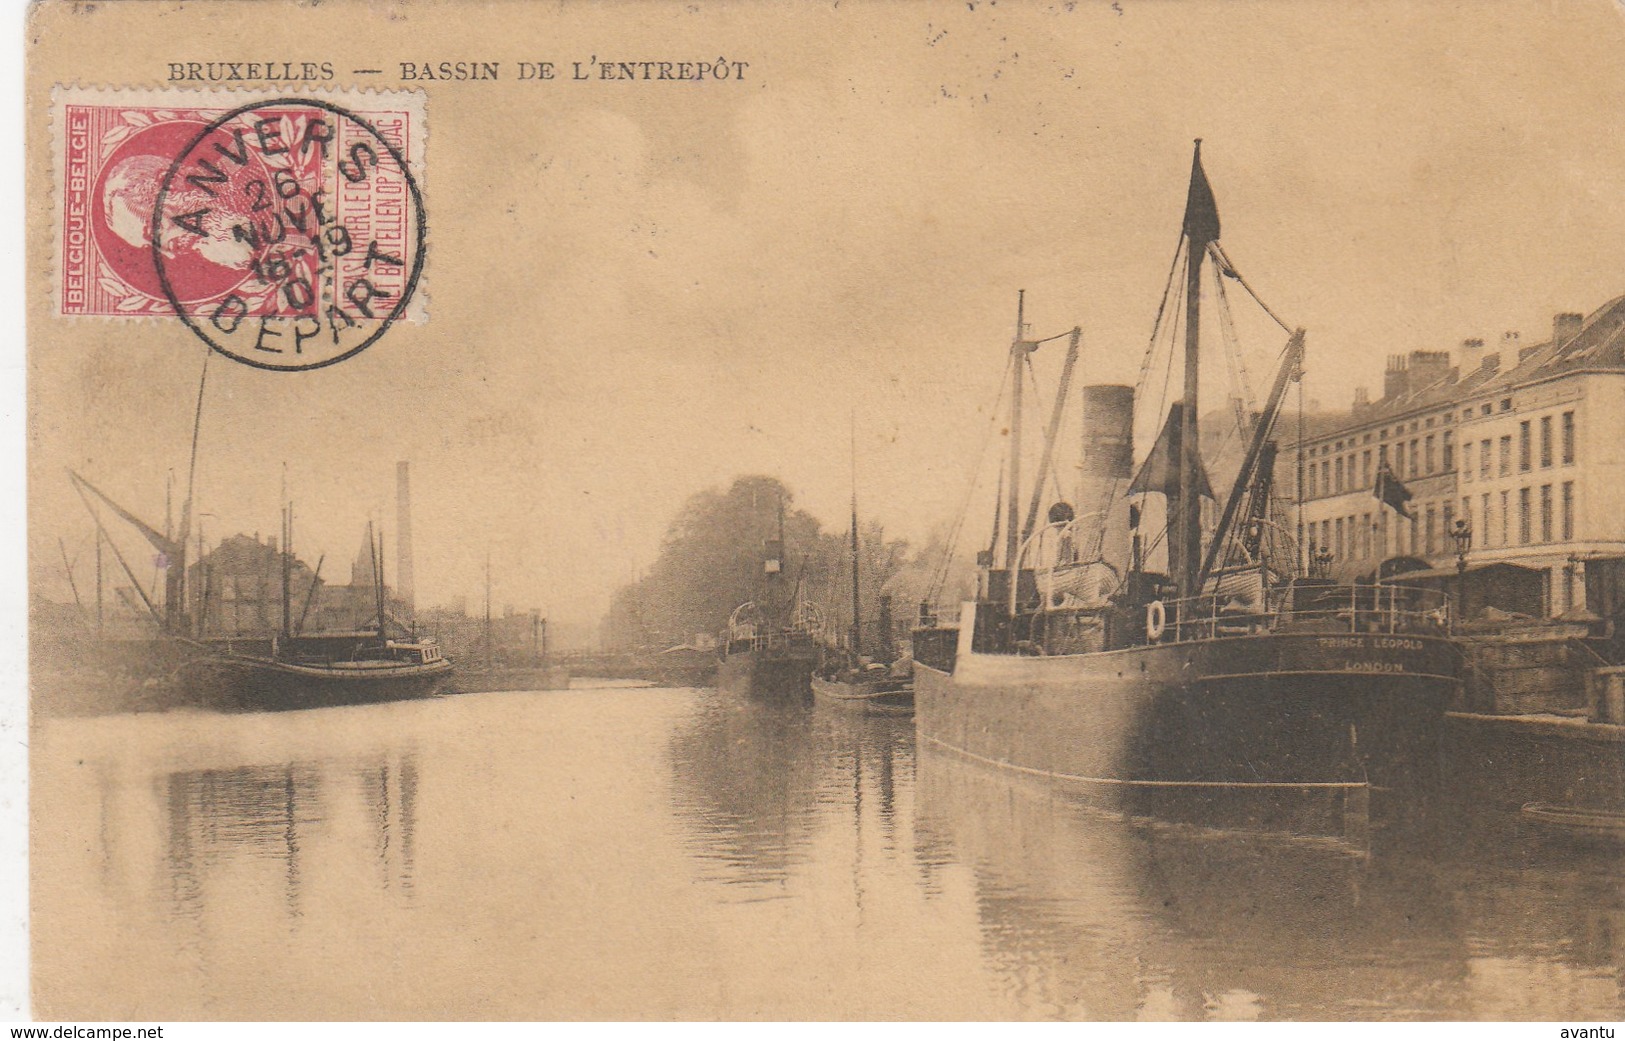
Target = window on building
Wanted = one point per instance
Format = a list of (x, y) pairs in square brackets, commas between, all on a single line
[(1365, 535), (1449, 451), (1545, 513), (1523, 447), (1484, 410), (1337, 544), (1338, 470), (1524, 519), (1506, 519), (1467, 413), (1365, 468), (1415, 532), (1568, 511), (1431, 547), (1382, 533), (1466, 460), (1506, 404), (1484, 459), (1416, 456), (1545, 441), (1506, 455), (1568, 438), (1427, 456), (1446, 523), (1484, 528)]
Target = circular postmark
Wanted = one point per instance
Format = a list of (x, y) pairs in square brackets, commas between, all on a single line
[(289, 234)]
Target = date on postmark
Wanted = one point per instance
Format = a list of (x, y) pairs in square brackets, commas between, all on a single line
[(288, 232)]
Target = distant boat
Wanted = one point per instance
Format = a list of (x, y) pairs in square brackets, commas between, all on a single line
[(1577, 822), (769, 649), (329, 668), (847, 678)]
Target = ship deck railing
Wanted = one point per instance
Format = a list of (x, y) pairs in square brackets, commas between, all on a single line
[(1357, 608), (769, 641)]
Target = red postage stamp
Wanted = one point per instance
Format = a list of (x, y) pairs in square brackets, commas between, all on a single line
[(229, 207)]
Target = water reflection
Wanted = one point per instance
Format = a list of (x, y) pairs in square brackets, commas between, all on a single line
[(674, 854), (265, 814), (1099, 917)]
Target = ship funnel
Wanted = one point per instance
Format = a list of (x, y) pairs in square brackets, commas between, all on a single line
[(1108, 465), (1108, 432)]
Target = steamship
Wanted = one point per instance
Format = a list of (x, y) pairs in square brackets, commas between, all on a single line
[(1233, 683), (770, 646)]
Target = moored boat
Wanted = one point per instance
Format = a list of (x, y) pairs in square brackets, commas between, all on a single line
[(1234, 687), (324, 669), (297, 679), (1580, 823), (769, 648), (847, 677)]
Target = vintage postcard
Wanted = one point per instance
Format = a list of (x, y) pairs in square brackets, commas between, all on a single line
[(713, 510)]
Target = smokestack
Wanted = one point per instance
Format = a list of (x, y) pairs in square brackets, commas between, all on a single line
[(1108, 463), (404, 587), (1566, 327)]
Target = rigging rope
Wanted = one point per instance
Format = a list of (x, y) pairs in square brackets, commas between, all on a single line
[(1230, 269), (939, 577)]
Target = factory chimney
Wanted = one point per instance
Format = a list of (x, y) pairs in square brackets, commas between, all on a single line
[(403, 534)]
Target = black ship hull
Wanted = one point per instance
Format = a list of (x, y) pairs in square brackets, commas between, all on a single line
[(262, 684), (768, 674), (1241, 727)]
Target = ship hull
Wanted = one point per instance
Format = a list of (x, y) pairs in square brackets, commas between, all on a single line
[(259, 684), (1256, 723), (766, 674), (889, 697)]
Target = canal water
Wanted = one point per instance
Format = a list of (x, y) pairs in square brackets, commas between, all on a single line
[(638, 853)]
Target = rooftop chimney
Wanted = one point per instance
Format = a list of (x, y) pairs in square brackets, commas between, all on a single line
[(1565, 327), (1362, 399), (1428, 368), (1396, 379), (403, 533)]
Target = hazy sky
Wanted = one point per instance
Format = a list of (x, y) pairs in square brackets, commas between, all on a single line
[(637, 290)]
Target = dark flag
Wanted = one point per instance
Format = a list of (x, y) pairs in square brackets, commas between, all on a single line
[(1392, 492), (1201, 211), (1160, 471)]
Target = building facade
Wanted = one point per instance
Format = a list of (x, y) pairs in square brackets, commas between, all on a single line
[(1525, 444)]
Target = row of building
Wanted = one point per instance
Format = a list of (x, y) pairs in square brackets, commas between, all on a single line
[(1521, 448)]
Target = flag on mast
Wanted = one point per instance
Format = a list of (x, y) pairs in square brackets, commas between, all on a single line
[(1392, 491)]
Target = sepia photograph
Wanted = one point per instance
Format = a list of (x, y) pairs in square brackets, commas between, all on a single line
[(723, 510)]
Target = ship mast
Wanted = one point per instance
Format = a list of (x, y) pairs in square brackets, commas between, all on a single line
[(1201, 228), (857, 625), (1012, 527)]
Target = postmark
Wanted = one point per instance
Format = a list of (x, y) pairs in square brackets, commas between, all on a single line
[(287, 232)]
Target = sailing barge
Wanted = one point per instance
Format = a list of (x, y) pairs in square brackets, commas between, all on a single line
[(847, 678), (1232, 688), (326, 669)]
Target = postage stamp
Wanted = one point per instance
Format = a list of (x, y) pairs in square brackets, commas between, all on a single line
[(287, 231)]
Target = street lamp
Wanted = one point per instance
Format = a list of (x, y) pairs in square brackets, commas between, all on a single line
[(1462, 536)]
